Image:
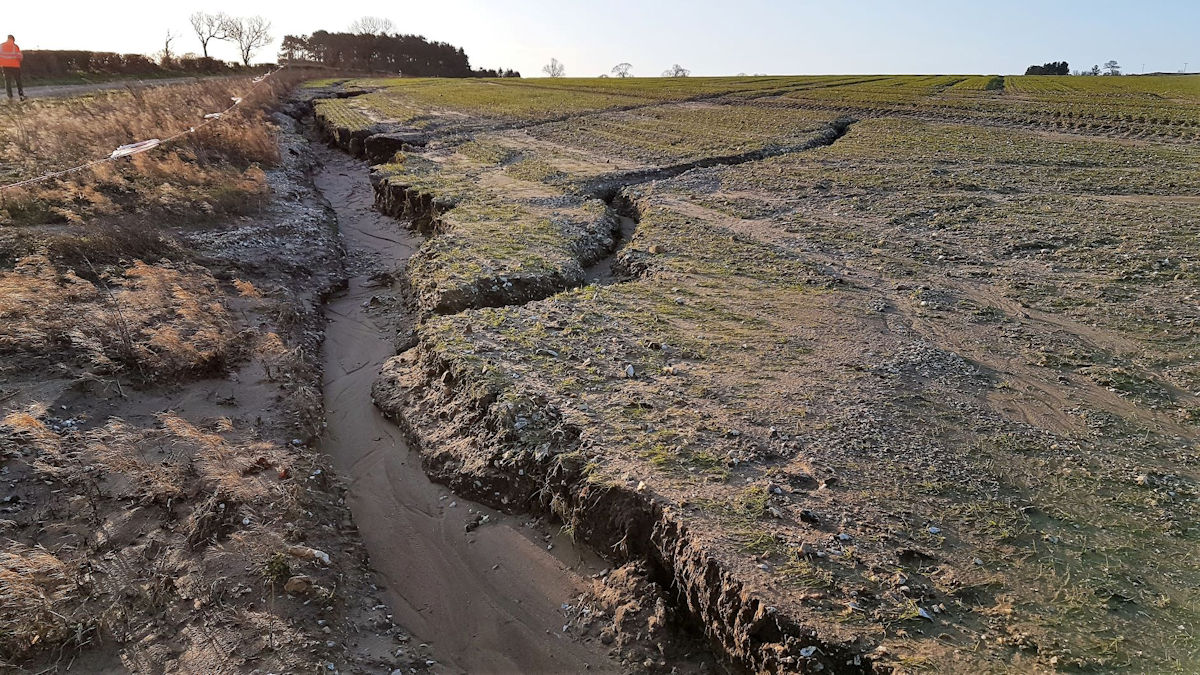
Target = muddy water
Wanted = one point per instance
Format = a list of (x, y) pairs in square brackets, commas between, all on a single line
[(602, 271), (488, 601)]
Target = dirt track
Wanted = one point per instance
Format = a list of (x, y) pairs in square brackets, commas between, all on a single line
[(63, 90)]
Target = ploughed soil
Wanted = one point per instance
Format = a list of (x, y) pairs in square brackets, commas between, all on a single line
[(842, 390)]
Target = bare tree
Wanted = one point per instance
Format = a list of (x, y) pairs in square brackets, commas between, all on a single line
[(251, 34), (372, 25), (676, 71), (622, 69), (1112, 68), (209, 27), (554, 69), (166, 57)]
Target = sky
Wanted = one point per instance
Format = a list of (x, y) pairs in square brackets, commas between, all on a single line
[(709, 37)]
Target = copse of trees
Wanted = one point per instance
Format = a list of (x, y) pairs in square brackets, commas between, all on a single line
[(1051, 68), (378, 51)]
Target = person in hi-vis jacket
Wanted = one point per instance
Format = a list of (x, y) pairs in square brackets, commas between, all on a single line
[(10, 62)]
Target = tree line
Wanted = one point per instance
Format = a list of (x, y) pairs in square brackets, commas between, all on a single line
[(248, 34), (1062, 68), (66, 62), (369, 45)]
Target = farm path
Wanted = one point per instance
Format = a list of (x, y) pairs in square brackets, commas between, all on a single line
[(65, 90)]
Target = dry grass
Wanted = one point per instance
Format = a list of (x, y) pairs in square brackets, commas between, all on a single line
[(124, 461), (152, 320), (34, 586), (212, 170), (142, 503)]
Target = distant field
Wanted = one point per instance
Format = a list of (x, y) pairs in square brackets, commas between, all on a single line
[(1149, 106)]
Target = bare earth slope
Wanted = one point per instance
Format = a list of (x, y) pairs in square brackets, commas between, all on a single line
[(871, 373)]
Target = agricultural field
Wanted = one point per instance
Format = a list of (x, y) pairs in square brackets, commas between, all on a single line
[(872, 372), (850, 374)]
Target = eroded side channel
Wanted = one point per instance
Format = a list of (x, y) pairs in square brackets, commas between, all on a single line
[(488, 600)]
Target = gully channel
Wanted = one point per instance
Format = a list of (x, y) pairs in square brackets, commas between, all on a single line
[(486, 600)]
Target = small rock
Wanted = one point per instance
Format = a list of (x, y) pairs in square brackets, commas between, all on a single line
[(298, 585), (935, 530), (307, 553)]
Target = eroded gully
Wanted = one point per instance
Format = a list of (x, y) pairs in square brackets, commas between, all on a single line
[(485, 601)]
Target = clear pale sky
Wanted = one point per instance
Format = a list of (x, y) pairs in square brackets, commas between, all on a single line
[(710, 37)]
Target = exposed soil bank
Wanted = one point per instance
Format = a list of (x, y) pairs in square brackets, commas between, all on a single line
[(489, 449), (488, 599)]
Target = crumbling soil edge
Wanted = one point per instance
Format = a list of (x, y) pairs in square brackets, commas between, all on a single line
[(424, 395)]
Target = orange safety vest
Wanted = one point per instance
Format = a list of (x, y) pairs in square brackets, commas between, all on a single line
[(10, 55)]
